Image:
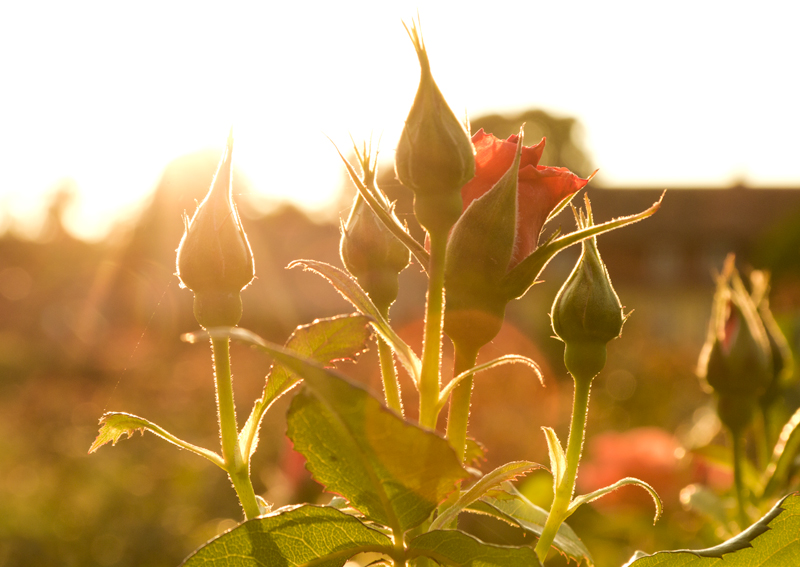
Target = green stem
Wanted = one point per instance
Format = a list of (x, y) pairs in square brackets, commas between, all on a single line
[(738, 480), (391, 388), (458, 417), (559, 511), (432, 342), (235, 465)]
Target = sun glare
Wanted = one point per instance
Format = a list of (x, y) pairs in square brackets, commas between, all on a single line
[(107, 96)]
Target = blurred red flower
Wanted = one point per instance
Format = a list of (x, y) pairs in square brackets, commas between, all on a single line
[(541, 188), (647, 453)]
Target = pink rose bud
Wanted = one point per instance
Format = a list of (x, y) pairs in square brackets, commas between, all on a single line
[(434, 157), (214, 256), (587, 313)]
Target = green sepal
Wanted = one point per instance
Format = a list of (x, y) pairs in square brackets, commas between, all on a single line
[(525, 274)]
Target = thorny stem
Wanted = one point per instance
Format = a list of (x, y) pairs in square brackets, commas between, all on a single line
[(236, 466), (559, 511), (432, 342), (458, 417)]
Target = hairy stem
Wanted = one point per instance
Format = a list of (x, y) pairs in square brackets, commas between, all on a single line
[(738, 480), (235, 465), (564, 491), (458, 417), (432, 342)]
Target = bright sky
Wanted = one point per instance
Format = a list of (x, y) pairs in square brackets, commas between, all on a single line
[(107, 93)]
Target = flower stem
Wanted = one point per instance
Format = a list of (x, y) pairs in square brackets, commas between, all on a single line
[(738, 481), (235, 465), (432, 342), (391, 388), (559, 511), (458, 417)]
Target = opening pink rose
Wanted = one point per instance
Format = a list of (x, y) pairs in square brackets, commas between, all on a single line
[(541, 188)]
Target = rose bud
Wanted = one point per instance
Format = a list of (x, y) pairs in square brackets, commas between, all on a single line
[(214, 256), (434, 157), (736, 360), (372, 254), (586, 313), (478, 254)]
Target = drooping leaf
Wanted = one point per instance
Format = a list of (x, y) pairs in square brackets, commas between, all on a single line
[(507, 359), (558, 460), (299, 536), (116, 424), (501, 474), (352, 292), (591, 497), (511, 506), (773, 541), (455, 548), (782, 456), (325, 341)]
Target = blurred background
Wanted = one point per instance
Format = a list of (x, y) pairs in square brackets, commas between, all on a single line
[(112, 124)]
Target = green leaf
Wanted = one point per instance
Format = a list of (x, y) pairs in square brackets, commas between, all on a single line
[(773, 541), (782, 456), (392, 470), (452, 547), (512, 507), (591, 497), (325, 340), (352, 292), (116, 424), (558, 460), (299, 536), (501, 474)]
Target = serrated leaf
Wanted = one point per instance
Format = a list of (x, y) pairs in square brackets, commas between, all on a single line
[(352, 292), (782, 456), (591, 497), (512, 507), (558, 460), (501, 474), (300, 536), (116, 424), (325, 341), (455, 548), (392, 470), (773, 541)]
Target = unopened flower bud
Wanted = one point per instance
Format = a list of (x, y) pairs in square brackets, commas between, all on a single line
[(372, 254), (587, 313), (736, 360), (214, 256), (478, 254), (435, 156)]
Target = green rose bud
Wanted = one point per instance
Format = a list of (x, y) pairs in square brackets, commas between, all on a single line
[(214, 256), (434, 157), (736, 360), (369, 251), (478, 254), (587, 313)]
